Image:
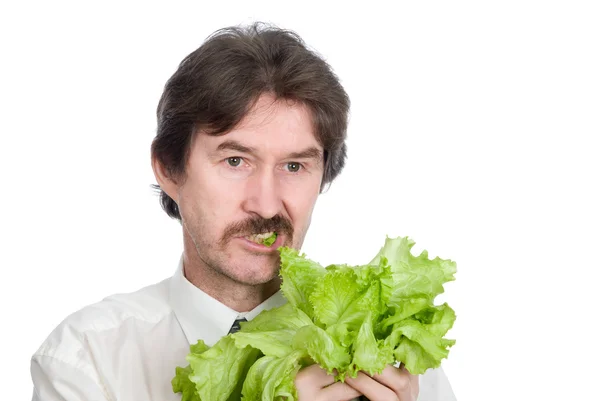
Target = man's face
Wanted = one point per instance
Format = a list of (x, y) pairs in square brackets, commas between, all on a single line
[(264, 176)]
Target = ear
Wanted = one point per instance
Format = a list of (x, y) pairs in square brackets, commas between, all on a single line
[(166, 183)]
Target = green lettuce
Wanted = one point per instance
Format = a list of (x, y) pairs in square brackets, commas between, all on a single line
[(181, 383), (270, 240), (345, 318), (299, 276)]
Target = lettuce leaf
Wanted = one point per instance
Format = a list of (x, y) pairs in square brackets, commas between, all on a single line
[(270, 240), (181, 383), (219, 371), (344, 318), (322, 348), (414, 277), (370, 354), (272, 331), (299, 276), (271, 377), (418, 342), (334, 298)]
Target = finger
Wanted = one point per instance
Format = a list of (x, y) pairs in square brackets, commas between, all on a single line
[(317, 376), (339, 391), (370, 387), (399, 380)]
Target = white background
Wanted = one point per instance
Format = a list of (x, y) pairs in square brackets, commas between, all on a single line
[(474, 131)]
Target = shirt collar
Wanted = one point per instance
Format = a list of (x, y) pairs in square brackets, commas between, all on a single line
[(201, 316)]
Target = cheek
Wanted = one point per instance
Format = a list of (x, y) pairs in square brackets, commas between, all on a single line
[(300, 202), (207, 201)]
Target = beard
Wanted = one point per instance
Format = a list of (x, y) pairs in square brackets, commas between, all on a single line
[(241, 266), (258, 225)]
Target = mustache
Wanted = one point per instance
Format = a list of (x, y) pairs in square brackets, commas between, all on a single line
[(258, 225)]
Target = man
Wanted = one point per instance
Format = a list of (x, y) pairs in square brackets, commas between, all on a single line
[(251, 127)]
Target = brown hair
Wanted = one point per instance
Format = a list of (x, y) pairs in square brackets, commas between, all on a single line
[(216, 85)]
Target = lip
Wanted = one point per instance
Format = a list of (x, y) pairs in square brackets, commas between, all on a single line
[(253, 246)]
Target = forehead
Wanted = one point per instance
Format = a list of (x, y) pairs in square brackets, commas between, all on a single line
[(276, 126)]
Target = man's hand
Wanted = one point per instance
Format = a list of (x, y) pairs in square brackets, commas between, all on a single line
[(393, 384), (314, 384)]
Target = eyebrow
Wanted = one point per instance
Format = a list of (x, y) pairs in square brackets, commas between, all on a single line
[(309, 153), (235, 146)]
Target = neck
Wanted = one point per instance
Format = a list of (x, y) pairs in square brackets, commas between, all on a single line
[(237, 296)]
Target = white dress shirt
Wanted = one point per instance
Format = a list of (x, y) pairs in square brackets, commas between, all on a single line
[(126, 347)]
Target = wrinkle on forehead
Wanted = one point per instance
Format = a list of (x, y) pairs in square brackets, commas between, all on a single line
[(266, 108), (282, 118)]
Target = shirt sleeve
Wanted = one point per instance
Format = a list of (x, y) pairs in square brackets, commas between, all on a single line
[(56, 380), (434, 386)]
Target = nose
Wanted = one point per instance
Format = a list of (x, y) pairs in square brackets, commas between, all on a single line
[(263, 195)]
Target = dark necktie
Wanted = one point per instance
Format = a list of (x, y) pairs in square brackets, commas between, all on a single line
[(236, 325)]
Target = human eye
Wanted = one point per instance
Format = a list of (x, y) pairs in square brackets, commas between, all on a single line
[(293, 167), (235, 167), (234, 161)]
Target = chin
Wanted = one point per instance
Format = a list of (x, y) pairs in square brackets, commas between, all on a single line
[(250, 273), (253, 280)]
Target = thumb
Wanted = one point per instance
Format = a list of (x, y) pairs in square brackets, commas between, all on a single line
[(338, 391)]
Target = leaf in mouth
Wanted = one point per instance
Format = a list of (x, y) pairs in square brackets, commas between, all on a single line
[(270, 240)]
